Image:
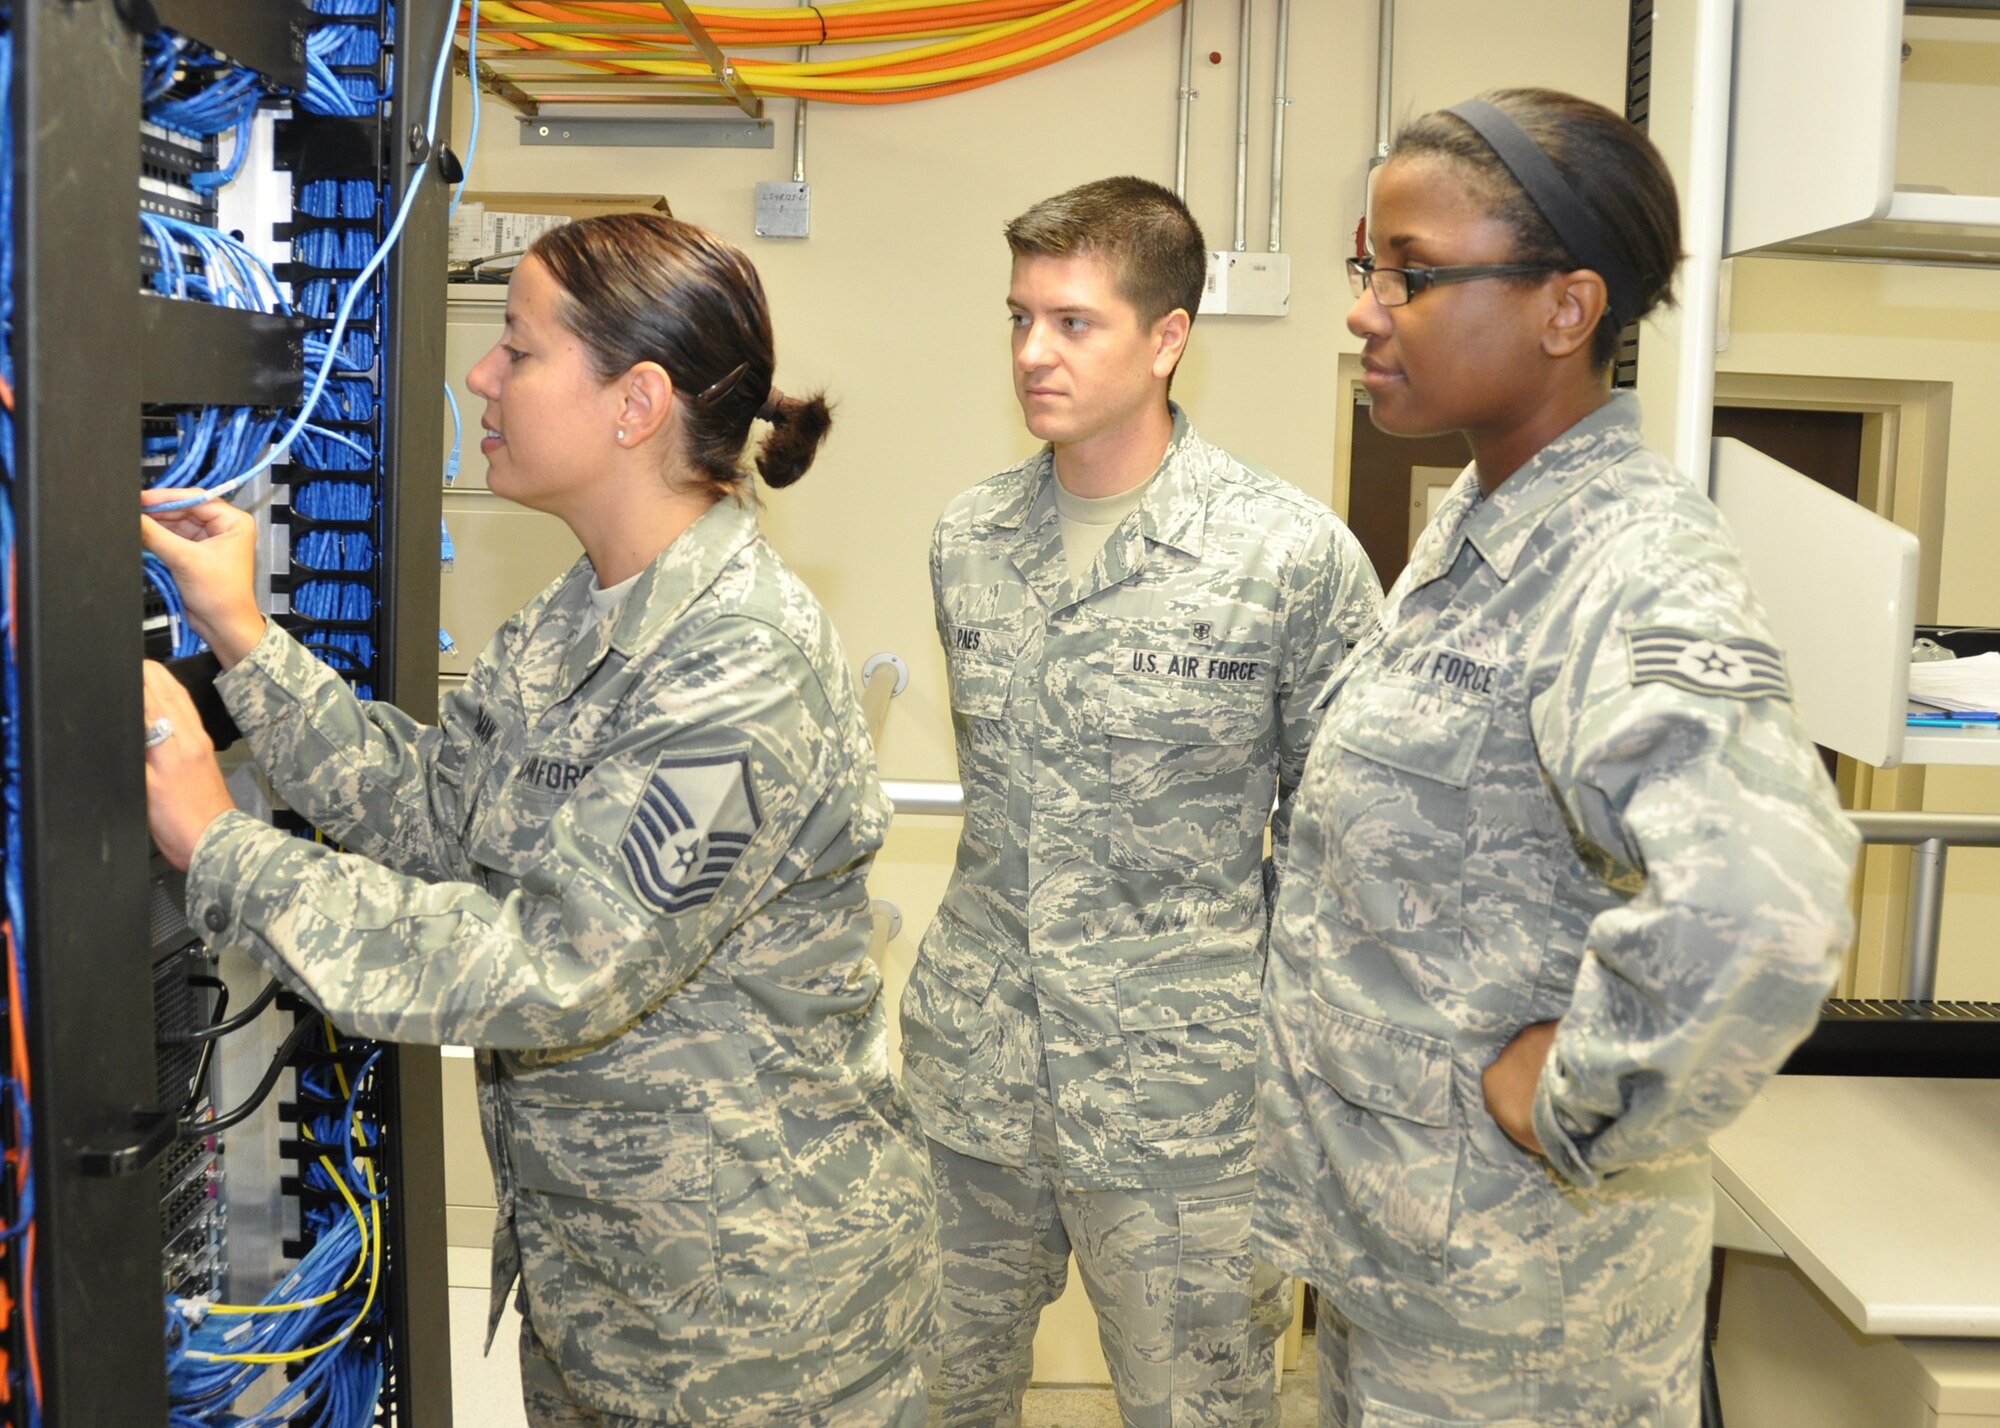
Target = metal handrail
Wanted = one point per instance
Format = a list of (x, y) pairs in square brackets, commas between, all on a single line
[(1928, 835)]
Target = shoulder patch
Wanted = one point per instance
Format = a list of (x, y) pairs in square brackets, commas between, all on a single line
[(1705, 664), (690, 827)]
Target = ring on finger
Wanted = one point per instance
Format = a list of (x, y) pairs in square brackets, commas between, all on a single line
[(158, 732)]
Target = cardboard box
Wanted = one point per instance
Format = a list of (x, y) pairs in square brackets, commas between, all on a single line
[(491, 223)]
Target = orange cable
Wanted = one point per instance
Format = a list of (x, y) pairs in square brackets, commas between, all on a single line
[(28, 1334), (961, 86), (1048, 29), (17, 1037)]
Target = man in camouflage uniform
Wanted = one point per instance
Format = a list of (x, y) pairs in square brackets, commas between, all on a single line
[(630, 867), (1563, 788), (1136, 626)]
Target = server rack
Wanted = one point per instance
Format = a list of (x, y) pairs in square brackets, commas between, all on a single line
[(88, 352)]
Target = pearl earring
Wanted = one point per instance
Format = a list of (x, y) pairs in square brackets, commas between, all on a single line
[(621, 435)]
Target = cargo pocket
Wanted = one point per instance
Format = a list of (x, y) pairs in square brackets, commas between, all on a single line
[(1188, 771), (1382, 1110), (1190, 1033), (619, 1196), (1230, 1308)]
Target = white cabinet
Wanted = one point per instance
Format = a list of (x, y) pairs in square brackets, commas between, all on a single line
[(1810, 170), (1814, 116)]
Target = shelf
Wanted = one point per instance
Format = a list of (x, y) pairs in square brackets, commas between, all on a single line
[(267, 35), (1952, 746), (197, 354), (1936, 229), (1814, 113), (1876, 1187)]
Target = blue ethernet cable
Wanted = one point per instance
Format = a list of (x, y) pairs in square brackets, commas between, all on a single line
[(329, 344)]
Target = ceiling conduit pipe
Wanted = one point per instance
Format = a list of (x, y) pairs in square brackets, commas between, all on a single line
[(799, 128), (1187, 97), (1281, 103), (1243, 127), (1385, 60)]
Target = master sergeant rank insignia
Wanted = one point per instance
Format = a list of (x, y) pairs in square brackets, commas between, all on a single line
[(692, 824)]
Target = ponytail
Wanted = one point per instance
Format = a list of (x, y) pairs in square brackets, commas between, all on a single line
[(798, 425)]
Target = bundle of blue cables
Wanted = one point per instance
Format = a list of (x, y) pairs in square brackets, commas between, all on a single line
[(194, 91), (184, 641), (209, 445), (322, 1320), (345, 38)]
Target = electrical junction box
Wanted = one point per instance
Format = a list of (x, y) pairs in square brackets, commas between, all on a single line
[(1248, 284), (784, 210)]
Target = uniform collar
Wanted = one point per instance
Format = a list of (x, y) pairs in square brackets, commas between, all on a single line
[(1173, 514), (1500, 526), (661, 595)]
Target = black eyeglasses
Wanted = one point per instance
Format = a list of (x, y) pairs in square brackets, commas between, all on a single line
[(1393, 287)]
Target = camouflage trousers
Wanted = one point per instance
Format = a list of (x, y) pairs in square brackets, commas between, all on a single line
[(893, 1398), (1367, 1381), (1189, 1320)]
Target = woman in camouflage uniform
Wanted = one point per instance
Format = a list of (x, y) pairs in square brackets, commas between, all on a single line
[(1567, 880), (628, 866)]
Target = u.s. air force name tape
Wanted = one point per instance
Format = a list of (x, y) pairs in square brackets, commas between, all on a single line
[(691, 825), (1706, 664)]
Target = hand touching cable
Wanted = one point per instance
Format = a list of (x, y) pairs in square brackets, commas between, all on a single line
[(211, 549)]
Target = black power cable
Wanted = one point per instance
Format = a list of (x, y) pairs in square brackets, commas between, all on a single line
[(236, 1115), (242, 1019)]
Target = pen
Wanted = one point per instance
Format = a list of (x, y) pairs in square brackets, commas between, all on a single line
[(1984, 725)]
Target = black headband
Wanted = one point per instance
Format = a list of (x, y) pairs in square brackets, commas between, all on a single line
[(1575, 227)]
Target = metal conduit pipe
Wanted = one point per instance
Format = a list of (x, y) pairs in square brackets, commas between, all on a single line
[(1243, 127), (1186, 99), (1385, 59), (1280, 104), (799, 129)]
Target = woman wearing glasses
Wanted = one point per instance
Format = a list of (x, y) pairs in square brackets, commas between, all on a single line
[(1567, 880)]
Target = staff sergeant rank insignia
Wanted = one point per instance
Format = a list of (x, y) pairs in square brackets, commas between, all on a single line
[(1736, 669), (692, 824)]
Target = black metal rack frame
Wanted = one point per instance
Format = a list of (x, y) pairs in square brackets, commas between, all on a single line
[(85, 863)]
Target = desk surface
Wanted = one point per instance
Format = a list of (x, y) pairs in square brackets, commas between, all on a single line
[(1884, 1190)]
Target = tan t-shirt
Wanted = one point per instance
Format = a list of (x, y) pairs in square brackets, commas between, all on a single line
[(1087, 522)]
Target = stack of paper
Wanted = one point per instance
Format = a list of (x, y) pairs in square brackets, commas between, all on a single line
[(1960, 685)]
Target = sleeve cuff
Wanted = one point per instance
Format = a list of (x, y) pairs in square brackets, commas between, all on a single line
[(226, 861), (1562, 1146)]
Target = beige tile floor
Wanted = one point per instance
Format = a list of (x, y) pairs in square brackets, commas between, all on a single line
[(486, 1392)]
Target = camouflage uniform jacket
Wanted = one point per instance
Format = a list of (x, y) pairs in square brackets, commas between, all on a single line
[(1120, 741), (1565, 781), (630, 866)]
